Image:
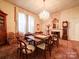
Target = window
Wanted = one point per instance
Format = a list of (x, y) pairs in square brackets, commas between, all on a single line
[(31, 20), (22, 22)]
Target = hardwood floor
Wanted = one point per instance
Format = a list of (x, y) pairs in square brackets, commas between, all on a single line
[(66, 50)]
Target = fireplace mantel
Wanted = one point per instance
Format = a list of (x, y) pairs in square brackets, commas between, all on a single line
[(56, 30)]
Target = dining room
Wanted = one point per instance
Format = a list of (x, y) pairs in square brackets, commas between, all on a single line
[(39, 29)]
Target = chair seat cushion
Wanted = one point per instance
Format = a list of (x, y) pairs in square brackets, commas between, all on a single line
[(55, 39), (30, 49), (27, 51), (41, 46)]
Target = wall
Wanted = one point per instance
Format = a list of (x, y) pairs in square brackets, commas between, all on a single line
[(72, 15), (9, 9), (37, 21), (49, 22)]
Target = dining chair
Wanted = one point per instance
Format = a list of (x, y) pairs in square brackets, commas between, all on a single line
[(10, 38), (49, 44), (28, 34), (30, 40), (26, 50), (55, 40), (43, 48), (38, 32)]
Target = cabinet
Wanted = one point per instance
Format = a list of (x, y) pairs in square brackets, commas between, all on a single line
[(3, 33)]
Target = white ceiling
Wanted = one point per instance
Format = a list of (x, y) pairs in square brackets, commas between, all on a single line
[(36, 6)]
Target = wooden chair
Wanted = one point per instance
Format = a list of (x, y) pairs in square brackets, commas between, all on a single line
[(29, 40), (49, 44), (41, 50), (38, 32), (55, 40), (25, 49), (44, 47), (28, 34), (55, 37), (10, 38)]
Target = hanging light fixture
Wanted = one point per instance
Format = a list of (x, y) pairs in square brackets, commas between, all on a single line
[(44, 15)]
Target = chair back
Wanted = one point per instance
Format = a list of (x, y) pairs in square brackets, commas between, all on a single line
[(23, 47)]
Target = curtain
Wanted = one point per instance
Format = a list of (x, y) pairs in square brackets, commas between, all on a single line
[(22, 23), (31, 24)]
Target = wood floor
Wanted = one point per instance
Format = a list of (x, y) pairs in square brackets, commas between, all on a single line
[(66, 50)]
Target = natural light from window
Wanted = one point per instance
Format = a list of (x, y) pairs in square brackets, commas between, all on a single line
[(31, 24), (22, 22)]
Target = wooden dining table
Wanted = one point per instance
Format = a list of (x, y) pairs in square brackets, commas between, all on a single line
[(41, 36), (38, 38)]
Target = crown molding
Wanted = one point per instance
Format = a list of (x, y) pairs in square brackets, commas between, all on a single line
[(20, 7)]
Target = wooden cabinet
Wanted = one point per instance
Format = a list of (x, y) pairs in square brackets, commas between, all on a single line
[(3, 33)]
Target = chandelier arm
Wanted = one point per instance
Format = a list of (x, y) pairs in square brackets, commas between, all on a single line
[(44, 15), (44, 4)]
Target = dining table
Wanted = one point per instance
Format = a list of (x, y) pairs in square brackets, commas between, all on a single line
[(38, 38)]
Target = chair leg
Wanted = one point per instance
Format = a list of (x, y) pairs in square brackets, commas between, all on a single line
[(45, 54), (18, 52), (50, 50)]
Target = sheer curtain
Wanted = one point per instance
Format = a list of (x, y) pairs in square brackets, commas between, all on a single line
[(31, 23), (22, 22)]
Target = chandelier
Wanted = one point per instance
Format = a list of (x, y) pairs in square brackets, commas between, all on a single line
[(44, 15)]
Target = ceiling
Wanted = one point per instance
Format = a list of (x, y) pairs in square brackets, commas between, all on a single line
[(52, 6)]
